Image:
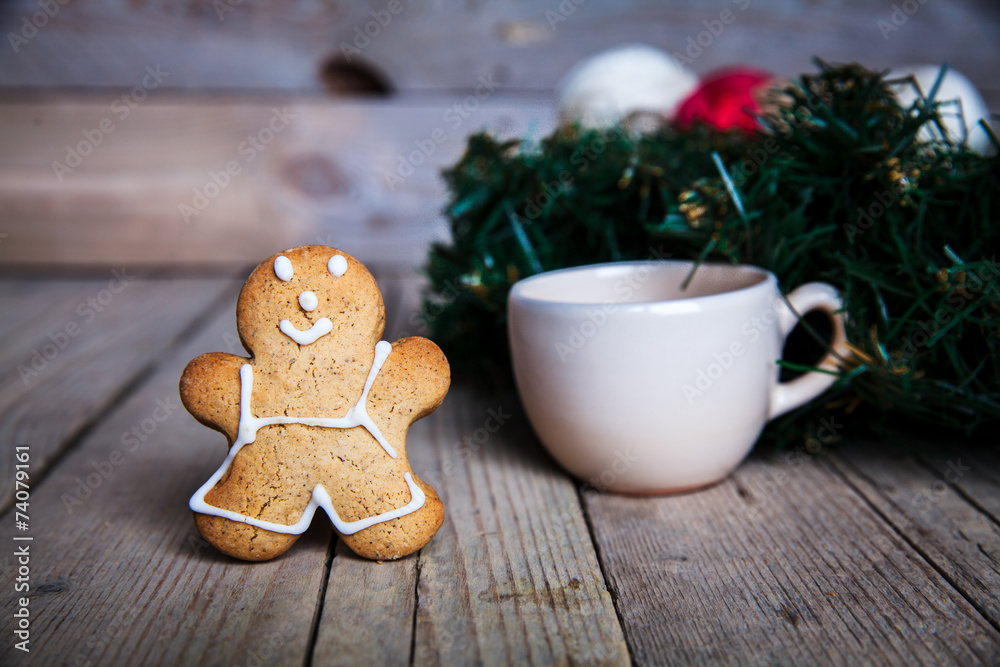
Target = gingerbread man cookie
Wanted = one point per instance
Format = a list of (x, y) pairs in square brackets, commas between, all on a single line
[(317, 417)]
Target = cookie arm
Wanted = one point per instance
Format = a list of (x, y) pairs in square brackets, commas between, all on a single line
[(210, 390), (416, 375)]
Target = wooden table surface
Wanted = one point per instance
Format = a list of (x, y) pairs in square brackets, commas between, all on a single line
[(857, 556)]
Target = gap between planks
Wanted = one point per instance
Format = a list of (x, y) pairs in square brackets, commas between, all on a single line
[(940, 506), (512, 577), (600, 561)]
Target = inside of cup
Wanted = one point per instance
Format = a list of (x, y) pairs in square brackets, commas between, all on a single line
[(639, 282)]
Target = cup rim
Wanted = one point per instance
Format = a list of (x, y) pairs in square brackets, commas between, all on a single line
[(517, 290)]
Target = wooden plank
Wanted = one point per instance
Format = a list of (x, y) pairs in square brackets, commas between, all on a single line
[(119, 575), (782, 563), (36, 307), (118, 335), (368, 612), (30, 306), (445, 46), (929, 506), (981, 482), (350, 175), (511, 577)]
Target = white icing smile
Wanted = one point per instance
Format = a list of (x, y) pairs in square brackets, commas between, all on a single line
[(322, 327)]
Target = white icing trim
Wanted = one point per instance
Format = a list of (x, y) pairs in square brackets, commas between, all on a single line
[(308, 301), (337, 266), (321, 499), (283, 268), (322, 327), (356, 416)]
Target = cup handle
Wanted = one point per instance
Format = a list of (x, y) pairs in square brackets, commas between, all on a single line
[(786, 396)]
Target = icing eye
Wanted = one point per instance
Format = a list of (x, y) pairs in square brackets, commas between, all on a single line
[(283, 268), (337, 266), (308, 301)]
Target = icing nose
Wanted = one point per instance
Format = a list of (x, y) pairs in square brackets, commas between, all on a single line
[(308, 301)]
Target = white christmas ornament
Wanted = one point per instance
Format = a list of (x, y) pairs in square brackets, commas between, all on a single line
[(613, 85), (953, 87)]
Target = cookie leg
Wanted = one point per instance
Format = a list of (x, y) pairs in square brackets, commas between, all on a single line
[(400, 537), (252, 487), (241, 540)]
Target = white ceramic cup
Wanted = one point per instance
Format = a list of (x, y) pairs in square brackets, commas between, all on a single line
[(637, 385)]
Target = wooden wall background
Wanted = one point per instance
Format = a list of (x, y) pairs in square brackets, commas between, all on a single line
[(226, 65)]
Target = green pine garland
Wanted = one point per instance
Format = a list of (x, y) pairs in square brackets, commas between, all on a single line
[(840, 190)]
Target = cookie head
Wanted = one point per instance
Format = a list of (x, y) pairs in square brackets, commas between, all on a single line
[(307, 299)]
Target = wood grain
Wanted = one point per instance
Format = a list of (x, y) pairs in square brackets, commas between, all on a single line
[(118, 337), (330, 174), (511, 577), (779, 564), (119, 574), (928, 502), (38, 307), (445, 46), (32, 306), (368, 612)]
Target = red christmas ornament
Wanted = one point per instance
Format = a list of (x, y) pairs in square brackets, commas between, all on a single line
[(724, 99)]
